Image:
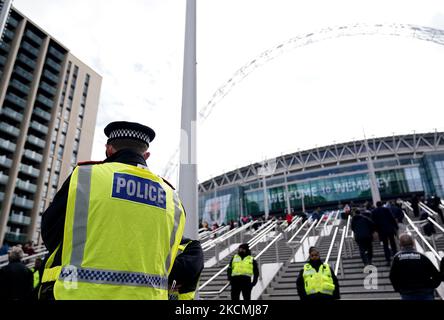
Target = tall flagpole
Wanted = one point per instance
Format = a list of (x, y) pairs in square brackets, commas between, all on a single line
[(188, 162)]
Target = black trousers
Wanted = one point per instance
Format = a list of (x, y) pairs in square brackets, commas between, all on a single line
[(241, 284), (385, 241), (365, 250)]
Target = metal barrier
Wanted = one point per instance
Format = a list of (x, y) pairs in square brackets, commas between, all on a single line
[(330, 249), (253, 242), (339, 258), (31, 257)]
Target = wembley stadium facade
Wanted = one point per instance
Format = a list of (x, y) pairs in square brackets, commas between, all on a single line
[(398, 166)]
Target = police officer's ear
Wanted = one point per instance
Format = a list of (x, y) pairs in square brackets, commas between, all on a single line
[(109, 150), (146, 155)]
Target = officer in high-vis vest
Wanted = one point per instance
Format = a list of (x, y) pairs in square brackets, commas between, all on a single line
[(184, 277), (241, 270), (114, 227), (317, 281)]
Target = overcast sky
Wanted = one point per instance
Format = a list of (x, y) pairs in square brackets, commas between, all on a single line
[(325, 92)]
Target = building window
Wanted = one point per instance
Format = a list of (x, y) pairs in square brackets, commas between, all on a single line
[(55, 179), (60, 152), (67, 114), (77, 137), (440, 170), (65, 127), (58, 166)]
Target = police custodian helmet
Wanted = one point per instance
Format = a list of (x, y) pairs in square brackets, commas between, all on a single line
[(129, 130)]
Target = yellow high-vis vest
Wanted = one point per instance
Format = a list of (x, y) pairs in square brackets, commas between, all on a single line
[(36, 276), (123, 227), (318, 282), (242, 267)]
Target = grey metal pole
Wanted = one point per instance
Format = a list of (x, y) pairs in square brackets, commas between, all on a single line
[(376, 196), (188, 188), (267, 210), (287, 196), (4, 13)]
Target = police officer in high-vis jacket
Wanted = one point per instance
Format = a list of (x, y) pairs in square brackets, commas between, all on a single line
[(243, 273), (317, 281), (114, 227)]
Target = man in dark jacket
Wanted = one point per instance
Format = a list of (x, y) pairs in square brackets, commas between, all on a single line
[(184, 277), (16, 280), (317, 280), (363, 228), (387, 228), (412, 274), (241, 268)]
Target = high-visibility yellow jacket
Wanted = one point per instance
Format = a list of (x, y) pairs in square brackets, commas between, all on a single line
[(122, 230), (242, 267), (320, 281)]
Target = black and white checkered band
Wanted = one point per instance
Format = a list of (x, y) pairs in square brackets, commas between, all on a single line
[(71, 273), (128, 133)]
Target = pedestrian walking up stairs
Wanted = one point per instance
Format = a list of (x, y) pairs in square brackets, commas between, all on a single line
[(338, 249)]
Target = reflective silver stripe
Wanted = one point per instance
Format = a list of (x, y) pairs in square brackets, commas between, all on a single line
[(81, 214), (177, 215), (113, 277)]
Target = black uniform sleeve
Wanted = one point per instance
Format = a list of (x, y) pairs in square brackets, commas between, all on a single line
[(441, 268), (336, 293), (255, 273), (229, 269), (187, 267), (394, 274), (53, 219), (300, 286), (435, 275)]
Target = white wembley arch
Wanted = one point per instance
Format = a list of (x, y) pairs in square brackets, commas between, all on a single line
[(358, 29)]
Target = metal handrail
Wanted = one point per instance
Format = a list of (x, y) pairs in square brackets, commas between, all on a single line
[(348, 226), (264, 225), (337, 214), (253, 243), (261, 235), (209, 233), (427, 209), (297, 232), (293, 224), (34, 256), (331, 245), (423, 238), (338, 260), (330, 215), (319, 221), (210, 244), (306, 233), (436, 224)]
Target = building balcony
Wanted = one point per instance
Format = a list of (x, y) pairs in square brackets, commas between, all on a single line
[(29, 170), (8, 34), (11, 114), (2, 60), (26, 186), (19, 219), (15, 237), (23, 73), (36, 141), (4, 46), (51, 76), (16, 100), (22, 202), (12, 22), (56, 53), (7, 145), (4, 127), (48, 88), (39, 127), (29, 62), (5, 162), (36, 39), (20, 86), (3, 178), (54, 65), (42, 114), (32, 155), (47, 102), (34, 51)]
